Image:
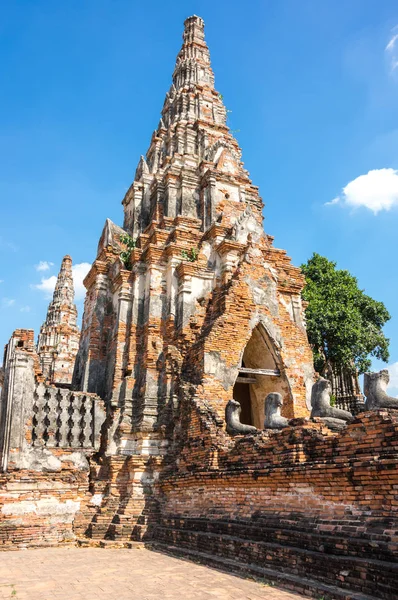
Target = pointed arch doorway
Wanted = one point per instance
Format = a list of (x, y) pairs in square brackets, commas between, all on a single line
[(260, 373)]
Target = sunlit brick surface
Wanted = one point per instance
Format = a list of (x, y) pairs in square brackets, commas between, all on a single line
[(91, 573)]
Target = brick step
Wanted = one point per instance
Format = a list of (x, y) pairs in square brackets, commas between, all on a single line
[(338, 543), (110, 506), (110, 529), (137, 511), (378, 528), (130, 518), (308, 587), (363, 575), (130, 532)]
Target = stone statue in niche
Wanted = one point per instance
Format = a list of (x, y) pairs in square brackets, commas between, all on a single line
[(375, 385), (272, 410), (232, 418), (335, 418)]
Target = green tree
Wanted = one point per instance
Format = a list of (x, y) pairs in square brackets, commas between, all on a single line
[(344, 325)]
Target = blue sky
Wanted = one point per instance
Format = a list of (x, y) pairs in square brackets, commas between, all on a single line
[(313, 90)]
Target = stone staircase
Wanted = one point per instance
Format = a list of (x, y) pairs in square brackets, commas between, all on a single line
[(332, 566), (121, 517), (119, 521)]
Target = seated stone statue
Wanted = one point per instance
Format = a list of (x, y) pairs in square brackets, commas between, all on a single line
[(375, 385), (232, 418), (272, 410), (335, 418)]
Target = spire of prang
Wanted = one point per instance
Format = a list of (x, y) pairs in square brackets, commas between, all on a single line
[(59, 335), (64, 291), (193, 162), (193, 60)]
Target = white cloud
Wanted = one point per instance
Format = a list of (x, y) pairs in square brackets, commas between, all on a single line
[(377, 190), (334, 201), (25, 309), (46, 285), (392, 49), (7, 302), (79, 271), (44, 265)]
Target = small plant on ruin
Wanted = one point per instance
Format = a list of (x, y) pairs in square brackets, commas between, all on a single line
[(191, 255), (333, 399), (125, 255)]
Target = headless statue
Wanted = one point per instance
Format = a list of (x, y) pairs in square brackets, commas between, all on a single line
[(335, 418), (272, 410), (232, 418), (375, 385)]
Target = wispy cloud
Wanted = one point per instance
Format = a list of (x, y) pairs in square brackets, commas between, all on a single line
[(6, 245), (376, 190), (79, 271), (7, 302), (25, 309), (392, 49), (334, 201), (44, 265)]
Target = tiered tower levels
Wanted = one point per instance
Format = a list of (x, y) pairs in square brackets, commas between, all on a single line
[(193, 163), (59, 335)]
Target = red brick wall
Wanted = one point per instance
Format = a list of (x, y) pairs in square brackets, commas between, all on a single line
[(38, 508), (290, 500)]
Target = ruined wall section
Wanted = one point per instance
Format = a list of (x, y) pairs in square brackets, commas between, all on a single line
[(38, 508), (37, 419), (48, 435), (288, 502)]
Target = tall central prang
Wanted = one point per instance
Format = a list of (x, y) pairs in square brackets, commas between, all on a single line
[(190, 298)]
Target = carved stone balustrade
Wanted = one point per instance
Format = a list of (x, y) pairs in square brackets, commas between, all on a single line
[(66, 419)]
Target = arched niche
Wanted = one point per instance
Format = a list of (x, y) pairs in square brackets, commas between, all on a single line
[(252, 387)]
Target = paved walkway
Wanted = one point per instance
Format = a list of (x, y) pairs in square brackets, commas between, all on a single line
[(120, 574)]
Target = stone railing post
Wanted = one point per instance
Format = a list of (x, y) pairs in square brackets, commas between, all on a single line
[(16, 404)]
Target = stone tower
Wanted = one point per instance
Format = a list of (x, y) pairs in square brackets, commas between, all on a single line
[(59, 335), (204, 301)]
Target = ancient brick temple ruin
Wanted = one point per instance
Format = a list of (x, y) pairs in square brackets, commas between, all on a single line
[(188, 307)]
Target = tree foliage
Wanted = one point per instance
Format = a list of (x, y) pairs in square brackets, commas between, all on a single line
[(344, 325)]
